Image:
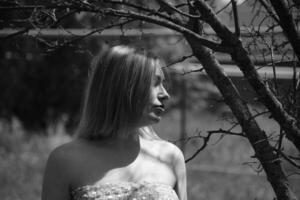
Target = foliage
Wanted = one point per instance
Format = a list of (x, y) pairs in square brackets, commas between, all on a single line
[(39, 87)]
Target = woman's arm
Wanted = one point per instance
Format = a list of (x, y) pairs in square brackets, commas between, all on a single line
[(180, 172), (56, 183)]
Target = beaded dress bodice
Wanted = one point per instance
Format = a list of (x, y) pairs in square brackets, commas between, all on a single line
[(125, 191)]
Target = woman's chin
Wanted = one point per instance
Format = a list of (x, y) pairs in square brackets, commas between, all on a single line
[(150, 119), (153, 119)]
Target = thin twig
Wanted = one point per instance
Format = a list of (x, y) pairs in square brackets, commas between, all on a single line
[(64, 17), (236, 18), (219, 11), (273, 15), (207, 138), (179, 60), (25, 30), (140, 8), (151, 19), (193, 71), (78, 38), (205, 143), (173, 8), (287, 158)]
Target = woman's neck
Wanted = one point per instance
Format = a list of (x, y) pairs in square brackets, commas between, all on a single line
[(125, 140)]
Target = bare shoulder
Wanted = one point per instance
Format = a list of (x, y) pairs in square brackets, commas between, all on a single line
[(60, 159), (62, 153), (57, 174), (67, 158), (178, 163), (173, 155), (172, 148), (167, 151)]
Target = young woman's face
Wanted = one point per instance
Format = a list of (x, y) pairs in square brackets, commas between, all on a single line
[(153, 111)]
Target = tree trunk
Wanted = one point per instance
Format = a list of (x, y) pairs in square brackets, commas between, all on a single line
[(287, 24), (257, 137), (241, 57)]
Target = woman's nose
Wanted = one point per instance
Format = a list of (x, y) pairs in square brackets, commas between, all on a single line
[(163, 94)]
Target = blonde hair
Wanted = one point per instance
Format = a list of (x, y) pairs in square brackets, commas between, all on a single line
[(117, 92)]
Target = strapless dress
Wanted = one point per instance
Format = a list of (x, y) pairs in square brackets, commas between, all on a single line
[(125, 191)]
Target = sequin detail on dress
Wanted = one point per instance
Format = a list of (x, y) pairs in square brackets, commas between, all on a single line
[(125, 191)]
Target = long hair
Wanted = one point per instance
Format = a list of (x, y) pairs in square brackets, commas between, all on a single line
[(117, 92)]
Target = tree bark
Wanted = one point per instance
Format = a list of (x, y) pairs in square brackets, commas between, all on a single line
[(287, 24), (257, 137), (241, 57)]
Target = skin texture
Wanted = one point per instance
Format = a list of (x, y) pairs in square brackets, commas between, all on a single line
[(137, 158)]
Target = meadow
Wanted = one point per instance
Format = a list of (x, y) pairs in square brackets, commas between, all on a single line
[(223, 170)]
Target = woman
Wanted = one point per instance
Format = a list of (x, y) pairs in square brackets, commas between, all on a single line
[(116, 155)]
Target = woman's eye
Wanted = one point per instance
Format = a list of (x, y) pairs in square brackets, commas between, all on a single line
[(157, 82)]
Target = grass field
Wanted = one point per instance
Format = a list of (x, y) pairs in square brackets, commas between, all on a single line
[(218, 172)]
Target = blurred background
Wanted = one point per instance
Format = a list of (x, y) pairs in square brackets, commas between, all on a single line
[(42, 90)]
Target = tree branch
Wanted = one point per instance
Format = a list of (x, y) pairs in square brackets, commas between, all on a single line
[(21, 32), (224, 7), (236, 18), (175, 27), (267, 8), (79, 38), (172, 9), (205, 143), (151, 11), (151, 19), (207, 138), (287, 158), (241, 57), (179, 60), (288, 25), (263, 150)]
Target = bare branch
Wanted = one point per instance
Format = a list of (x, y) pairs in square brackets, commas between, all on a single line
[(129, 14), (21, 32), (205, 143), (65, 16), (79, 38), (236, 18), (267, 7), (171, 9), (151, 19), (287, 158), (207, 138), (258, 169), (179, 60), (294, 158), (288, 25), (193, 71), (140, 8), (241, 57), (292, 174), (33, 7), (228, 132), (219, 11)]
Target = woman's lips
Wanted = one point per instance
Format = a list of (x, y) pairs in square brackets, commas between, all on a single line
[(159, 110)]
